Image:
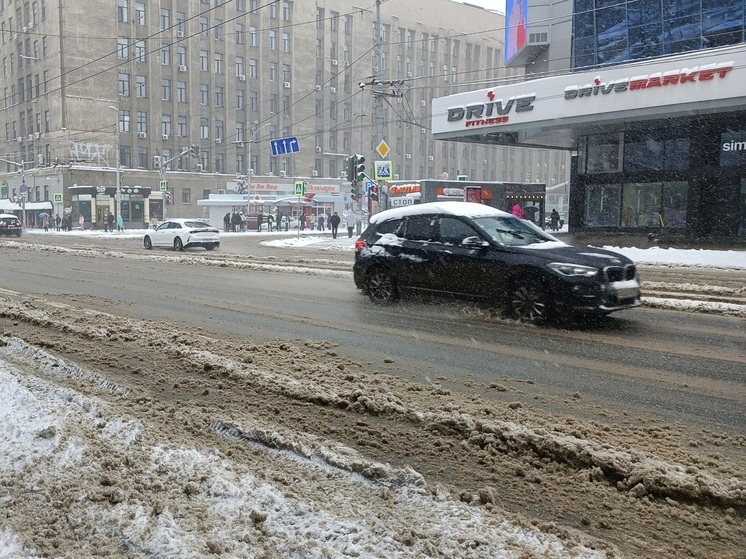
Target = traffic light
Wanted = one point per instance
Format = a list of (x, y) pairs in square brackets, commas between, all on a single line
[(195, 151), (359, 168), (354, 191), (374, 192), (350, 164)]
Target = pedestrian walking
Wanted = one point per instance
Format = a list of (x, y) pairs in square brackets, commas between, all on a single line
[(302, 221), (270, 221), (110, 222), (227, 222), (81, 222), (120, 223), (554, 218), (45, 222), (517, 211), (321, 222), (334, 222), (350, 220), (57, 221)]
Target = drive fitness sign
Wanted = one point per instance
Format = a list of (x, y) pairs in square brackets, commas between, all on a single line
[(492, 112)]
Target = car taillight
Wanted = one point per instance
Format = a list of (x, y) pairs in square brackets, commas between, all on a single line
[(360, 244)]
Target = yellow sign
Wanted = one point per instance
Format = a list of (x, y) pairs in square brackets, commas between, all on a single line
[(383, 149)]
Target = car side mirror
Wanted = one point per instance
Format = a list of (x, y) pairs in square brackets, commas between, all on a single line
[(474, 242)]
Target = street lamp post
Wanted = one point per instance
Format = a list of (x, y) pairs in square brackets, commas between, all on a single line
[(118, 195)]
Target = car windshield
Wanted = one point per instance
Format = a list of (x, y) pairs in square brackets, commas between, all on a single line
[(511, 231), (196, 224)]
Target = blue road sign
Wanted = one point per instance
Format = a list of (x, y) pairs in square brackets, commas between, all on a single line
[(368, 186), (282, 146)]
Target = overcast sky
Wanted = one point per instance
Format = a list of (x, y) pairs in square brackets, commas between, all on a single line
[(498, 5)]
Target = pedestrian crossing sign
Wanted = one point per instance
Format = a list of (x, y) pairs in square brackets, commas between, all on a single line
[(300, 188), (164, 186)]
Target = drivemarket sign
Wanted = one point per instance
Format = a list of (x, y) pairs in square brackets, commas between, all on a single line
[(670, 78)]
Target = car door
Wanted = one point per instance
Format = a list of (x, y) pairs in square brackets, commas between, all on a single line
[(414, 260), (164, 235), (463, 269)]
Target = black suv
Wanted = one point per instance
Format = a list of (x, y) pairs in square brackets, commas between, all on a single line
[(476, 251), (10, 225)]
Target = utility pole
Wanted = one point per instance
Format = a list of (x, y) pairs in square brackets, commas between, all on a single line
[(118, 195)]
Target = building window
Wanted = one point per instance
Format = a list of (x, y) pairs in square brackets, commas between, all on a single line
[(141, 51), (218, 63), (240, 103), (141, 87), (240, 39), (142, 157), (124, 120), (122, 11), (239, 66), (139, 14), (253, 101), (166, 55), (272, 39), (142, 122), (181, 125), (286, 42), (219, 96), (181, 92), (204, 128), (287, 10), (204, 94), (166, 125), (319, 18), (253, 39), (165, 18), (273, 71), (204, 27), (204, 61), (218, 30), (219, 129), (186, 195), (253, 68), (123, 48), (334, 21), (124, 85), (165, 90)]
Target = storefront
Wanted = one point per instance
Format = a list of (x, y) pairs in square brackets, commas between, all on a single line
[(94, 203), (660, 146)]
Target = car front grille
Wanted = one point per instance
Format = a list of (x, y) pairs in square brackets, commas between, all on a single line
[(619, 273)]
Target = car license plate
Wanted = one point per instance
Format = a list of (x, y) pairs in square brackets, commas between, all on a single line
[(627, 291)]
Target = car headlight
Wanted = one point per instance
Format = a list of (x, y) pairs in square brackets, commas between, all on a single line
[(567, 269)]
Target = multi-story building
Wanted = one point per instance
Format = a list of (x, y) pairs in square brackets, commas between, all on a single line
[(139, 82), (648, 95)]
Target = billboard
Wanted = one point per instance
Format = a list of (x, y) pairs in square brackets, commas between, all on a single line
[(516, 34)]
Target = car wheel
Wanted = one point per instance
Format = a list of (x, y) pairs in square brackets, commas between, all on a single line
[(528, 302), (147, 243), (178, 245), (18, 233), (380, 285), (210, 246)]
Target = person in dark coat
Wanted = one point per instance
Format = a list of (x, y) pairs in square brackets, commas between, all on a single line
[(334, 222), (554, 218), (236, 221), (321, 222), (110, 222), (302, 221), (227, 222)]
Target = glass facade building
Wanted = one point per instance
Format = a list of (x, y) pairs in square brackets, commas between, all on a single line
[(614, 31)]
